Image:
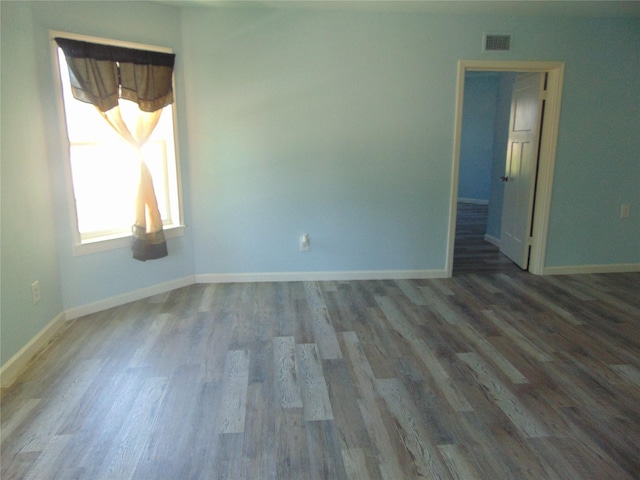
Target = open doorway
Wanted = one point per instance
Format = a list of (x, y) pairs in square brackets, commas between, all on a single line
[(540, 201), (483, 149)]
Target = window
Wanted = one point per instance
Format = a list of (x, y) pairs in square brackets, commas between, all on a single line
[(104, 168)]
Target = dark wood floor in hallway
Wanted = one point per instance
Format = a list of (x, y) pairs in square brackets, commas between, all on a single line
[(492, 376), (472, 253)]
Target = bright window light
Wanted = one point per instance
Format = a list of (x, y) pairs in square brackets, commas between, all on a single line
[(105, 168)]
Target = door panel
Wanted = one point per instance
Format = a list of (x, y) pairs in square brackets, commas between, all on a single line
[(520, 168)]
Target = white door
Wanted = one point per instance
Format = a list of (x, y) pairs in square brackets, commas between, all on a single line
[(521, 167)]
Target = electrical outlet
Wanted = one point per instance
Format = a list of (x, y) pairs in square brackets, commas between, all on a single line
[(304, 243), (624, 210), (35, 291)]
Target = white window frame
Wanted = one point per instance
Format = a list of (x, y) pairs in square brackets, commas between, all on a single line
[(121, 240)]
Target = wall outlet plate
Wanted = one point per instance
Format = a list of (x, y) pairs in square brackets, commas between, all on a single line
[(304, 242), (624, 210), (35, 291)]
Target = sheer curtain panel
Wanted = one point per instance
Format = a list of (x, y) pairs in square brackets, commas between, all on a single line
[(101, 75)]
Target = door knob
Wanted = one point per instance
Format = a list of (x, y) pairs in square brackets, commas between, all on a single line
[(504, 179)]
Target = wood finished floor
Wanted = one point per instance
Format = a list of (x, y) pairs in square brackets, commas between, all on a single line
[(472, 254), (498, 375)]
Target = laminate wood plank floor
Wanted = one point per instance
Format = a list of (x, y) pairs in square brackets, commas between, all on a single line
[(491, 374)]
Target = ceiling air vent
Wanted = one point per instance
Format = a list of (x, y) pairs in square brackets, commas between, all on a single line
[(493, 42)]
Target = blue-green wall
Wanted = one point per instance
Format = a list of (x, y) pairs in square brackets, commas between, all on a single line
[(598, 158), (336, 124)]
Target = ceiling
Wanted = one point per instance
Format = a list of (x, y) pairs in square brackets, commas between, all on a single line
[(606, 8)]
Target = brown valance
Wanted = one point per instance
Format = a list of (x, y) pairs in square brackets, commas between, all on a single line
[(101, 74)]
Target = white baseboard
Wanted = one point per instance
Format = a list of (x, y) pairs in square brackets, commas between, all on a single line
[(584, 269), (476, 201), (135, 295), (319, 276), (492, 240), (16, 364), (118, 300)]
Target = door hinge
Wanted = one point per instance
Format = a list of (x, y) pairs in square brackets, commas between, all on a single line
[(529, 241)]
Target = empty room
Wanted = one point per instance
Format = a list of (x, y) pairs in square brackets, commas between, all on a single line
[(320, 240)]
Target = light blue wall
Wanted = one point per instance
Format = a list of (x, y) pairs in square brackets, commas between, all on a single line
[(28, 232), (319, 124), (478, 125), (598, 166), (89, 278), (340, 125)]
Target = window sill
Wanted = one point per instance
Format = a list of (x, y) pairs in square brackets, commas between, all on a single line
[(102, 245)]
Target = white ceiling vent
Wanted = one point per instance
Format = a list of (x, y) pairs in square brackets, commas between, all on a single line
[(496, 42)]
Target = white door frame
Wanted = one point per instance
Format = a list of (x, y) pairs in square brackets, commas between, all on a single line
[(547, 153)]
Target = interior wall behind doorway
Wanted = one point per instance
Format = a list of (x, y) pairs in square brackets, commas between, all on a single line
[(483, 147)]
